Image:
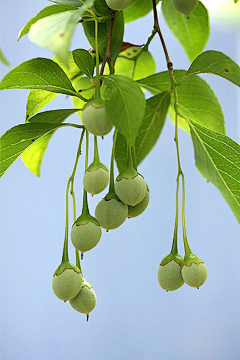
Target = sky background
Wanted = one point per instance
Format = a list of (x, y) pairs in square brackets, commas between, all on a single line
[(134, 318)]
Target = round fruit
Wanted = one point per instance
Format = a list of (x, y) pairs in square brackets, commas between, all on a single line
[(96, 178), (138, 209), (86, 233), (130, 187), (67, 281), (111, 213), (194, 271), (185, 6), (95, 119), (169, 272), (85, 301), (117, 4)]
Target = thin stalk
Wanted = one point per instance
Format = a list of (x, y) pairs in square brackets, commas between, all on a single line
[(96, 154), (108, 55), (97, 95), (174, 249), (85, 209), (111, 182), (186, 245)]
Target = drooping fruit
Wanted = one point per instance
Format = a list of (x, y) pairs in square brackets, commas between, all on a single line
[(185, 6), (86, 233), (194, 271), (111, 212), (169, 272), (85, 301), (130, 187), (138, 209), (67, 281), (95, 119), (117, 5), (96, 178)]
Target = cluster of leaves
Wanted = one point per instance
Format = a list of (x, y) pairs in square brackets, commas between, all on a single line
[(138, 120)]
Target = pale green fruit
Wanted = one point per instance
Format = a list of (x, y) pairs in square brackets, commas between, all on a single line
[(85, 301), (86, 233), (130, 187), (194, 275), (138, 209), (95, 119), (111, 212), (185, 6), (67, 281), (169, 272), (117, 5), (96, 178)]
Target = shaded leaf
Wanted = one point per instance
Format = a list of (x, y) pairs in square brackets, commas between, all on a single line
[(192, 33), (84, 61), (137, 9), (125, 105), (218, 160)]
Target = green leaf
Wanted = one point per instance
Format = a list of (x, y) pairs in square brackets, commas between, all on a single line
[(77, 3), (86, 88), (33, 155), (3, 58), (19, 138), (84, 61), (39, 73), (218, 160), (196, 99), (236, 1), (47, 11), (215, 62), (192, 33), (125, 105), (55, 31), (149, 132), (137, 9), (103, 30)]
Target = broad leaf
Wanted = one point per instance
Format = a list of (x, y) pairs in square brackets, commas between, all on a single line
[(215, 62), (19, 138), (55, 31), (125, 105), (77, 3), (149, 132), (39, 73), (32, 157), (196, 99), (192, 33), (218, 160), (103, 30), (84, 61), (137, 9), (47, 11)]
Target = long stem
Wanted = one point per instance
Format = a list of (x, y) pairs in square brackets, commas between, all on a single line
[(85, 209), (174, 249), (96, 154), (97, 61), (111, 182), (108, 55), (186, 245)]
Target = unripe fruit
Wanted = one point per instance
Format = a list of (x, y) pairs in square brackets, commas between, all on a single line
[(86, 233), (85, 301), (95, 119), (169, 272), (111, 212), (138, 209), (194, 271), (117, 5), (96, 178), (185, 6), (130, 187), (67, 281)]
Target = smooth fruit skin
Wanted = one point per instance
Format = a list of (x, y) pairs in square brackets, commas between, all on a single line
[(95, 119), (67, 284), (95, 181), (138, 209), (111, 213), (194, 275), (169, 276), (85, 236), (117, 5), (131, 191), (185, 6), (85, 301)]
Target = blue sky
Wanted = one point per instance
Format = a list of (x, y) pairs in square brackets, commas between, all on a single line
[(134, 318)]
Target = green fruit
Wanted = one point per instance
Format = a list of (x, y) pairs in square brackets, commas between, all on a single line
[(169, 272), (138, 209), (194, 271), (111, 212), (86, 233), (96, 178), (67, 281), (185, 6), (85, 301), (117, 5), (95, 119), (130, 187)]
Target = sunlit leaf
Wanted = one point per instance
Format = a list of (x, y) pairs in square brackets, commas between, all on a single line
[(137, 9)]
